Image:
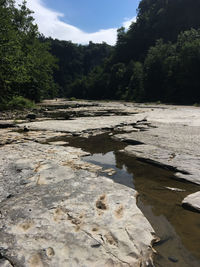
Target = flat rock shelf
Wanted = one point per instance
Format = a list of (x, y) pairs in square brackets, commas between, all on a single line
[(56, 213), (87, 183)]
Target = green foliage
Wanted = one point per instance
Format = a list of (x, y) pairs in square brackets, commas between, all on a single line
[(157, 59), (136, 83), (75, 62), (72, 99), (26, 66), (158, 68), (196, 105), (20, 103), (172, 70), (156, 19)]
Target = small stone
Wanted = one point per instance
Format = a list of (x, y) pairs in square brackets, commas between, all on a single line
[(110, 172)]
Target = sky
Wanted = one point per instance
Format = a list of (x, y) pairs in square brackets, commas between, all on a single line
[(81, 21)]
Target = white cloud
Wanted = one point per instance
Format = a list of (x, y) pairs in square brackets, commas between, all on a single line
[(50, 25), (127, 23)]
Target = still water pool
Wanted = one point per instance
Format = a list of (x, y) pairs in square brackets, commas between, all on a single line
[(178, 228)]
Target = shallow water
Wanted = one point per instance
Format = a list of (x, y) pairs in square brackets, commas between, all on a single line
[(178, 228)]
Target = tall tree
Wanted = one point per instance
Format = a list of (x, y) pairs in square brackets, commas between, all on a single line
[(157, 19), (10, 51), (26, 66)]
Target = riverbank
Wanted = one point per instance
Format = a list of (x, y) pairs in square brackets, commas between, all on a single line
[(50, 195)]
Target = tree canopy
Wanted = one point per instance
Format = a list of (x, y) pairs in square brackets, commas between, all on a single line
[(156, 59), (26, 66)]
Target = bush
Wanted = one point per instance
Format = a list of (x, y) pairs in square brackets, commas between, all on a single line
[(72, 99), (19, 102), (196, 105)]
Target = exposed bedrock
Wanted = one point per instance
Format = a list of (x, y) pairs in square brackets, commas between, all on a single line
[(55, 213)]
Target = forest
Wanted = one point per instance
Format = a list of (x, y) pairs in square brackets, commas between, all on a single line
[(156, 60)]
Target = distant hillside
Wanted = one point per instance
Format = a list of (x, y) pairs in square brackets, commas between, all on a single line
[(157, 19), (75, 60), (157, 59)]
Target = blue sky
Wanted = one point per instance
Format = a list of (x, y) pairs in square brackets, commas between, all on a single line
[(82, 21), (93, 15)]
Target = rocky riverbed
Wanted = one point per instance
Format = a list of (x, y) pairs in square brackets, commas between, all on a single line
[(58, 210)]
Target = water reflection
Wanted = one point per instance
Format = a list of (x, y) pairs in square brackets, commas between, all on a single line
[(179, 229)]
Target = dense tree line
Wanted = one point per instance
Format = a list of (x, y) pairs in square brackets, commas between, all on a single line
[(157, 59), (26, 66), (75, 61), (36, 67), (156, 19)]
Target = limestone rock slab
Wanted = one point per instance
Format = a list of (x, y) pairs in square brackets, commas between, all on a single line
[(172, 139), (192, 201), (186, 166), (8, 136), (54, 213), (83, 124)]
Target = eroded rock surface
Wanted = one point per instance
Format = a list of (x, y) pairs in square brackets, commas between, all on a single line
[(9, 136), (55, 212)]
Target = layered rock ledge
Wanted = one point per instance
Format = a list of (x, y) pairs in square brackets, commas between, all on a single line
[(165, 135), (172, 141)]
